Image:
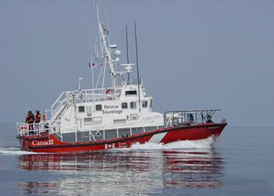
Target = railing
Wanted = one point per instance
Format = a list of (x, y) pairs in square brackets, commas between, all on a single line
[(58, 103), (188, 117), (32, 128), (42, 128), (82, 96)]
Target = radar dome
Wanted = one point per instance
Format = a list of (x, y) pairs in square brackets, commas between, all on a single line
[(117, 52)]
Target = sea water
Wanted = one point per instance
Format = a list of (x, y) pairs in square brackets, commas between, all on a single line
[(240, 162)]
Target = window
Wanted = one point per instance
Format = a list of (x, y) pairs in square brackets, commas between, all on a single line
[(124, 105), (145, 104), (137, 130), (152, 128), (131, 93), (110, 133), (81, 109), (133, 105), (150, 104), (123, 133), (119, 121), (98, 107), (97, 120), (87, 120)]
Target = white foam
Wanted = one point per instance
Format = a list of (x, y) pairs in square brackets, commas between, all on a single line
[(193, 144), (188, 144), (14, 151)]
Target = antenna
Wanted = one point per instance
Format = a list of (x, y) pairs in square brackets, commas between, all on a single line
[(137, 64), (127, 53), (91, 63), (108, 27)]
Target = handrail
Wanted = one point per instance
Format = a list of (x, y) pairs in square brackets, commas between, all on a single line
[(54, 108), (42, 128), (187, 117), (85, 95)]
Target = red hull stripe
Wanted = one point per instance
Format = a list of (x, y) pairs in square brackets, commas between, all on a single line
[(167, 135)]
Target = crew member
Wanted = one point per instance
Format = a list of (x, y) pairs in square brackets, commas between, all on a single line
[(46, 125), (191, 118), (37, 116), (30, 120), (37, 119), (209, 119), (44, 117)]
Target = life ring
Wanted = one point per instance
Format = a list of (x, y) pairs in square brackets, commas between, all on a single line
[(110, 90)]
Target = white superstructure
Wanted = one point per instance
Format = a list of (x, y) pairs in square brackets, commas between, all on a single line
[(123, 105)]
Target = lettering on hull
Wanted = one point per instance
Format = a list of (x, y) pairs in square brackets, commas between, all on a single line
[(42, 143)]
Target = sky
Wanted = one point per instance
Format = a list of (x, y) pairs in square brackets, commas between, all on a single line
[(193, 54)]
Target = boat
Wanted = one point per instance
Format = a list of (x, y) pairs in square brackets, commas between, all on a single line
[(118, 116)]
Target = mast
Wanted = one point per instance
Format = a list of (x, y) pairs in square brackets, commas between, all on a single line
[(127, 53), (91, 63), (92, 71), (105, 47), (137, 64)]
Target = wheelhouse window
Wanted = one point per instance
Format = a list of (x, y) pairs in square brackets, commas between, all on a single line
[(131, 93), (99, 107), (81, 109), (144, 104), (133, 105), (124, 105), (150, 104)]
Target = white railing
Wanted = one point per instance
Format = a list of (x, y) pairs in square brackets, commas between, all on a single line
[(188, 117), (58, 103), (24, 129), (85, 95), (93, 95), (42, 128)]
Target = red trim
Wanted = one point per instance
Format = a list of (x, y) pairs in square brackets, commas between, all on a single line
[(51, 144)]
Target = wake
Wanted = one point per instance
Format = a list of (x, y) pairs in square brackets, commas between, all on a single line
[(13, 151), (193, 144)]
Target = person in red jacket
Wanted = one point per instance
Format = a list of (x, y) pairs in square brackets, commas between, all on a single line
[(37, 119), (30, 120), (37, 116)]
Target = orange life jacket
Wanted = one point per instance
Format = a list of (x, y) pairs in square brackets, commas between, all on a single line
[(37, 118)]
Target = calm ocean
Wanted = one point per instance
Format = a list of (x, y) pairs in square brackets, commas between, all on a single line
[(241, 162)]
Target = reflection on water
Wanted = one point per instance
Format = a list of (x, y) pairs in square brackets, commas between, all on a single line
[(123, 172), (192, 169)]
